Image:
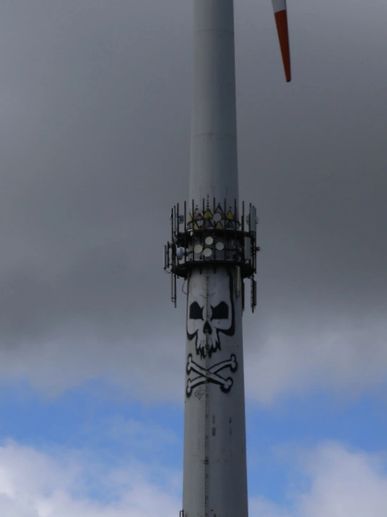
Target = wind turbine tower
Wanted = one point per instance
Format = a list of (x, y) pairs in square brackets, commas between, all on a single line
[(213, 248)]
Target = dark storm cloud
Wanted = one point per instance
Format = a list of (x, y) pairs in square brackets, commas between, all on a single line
[(85, 166), (95, 102), (316, 151)]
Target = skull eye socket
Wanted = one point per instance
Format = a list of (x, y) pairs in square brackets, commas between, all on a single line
[(195, 311), (220, 311)]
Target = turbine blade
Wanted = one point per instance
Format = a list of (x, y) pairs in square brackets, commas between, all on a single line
[(281, 19)]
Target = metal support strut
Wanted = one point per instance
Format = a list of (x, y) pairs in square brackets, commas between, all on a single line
[(212, 233)]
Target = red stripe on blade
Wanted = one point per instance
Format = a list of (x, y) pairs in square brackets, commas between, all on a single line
[(281, 19)]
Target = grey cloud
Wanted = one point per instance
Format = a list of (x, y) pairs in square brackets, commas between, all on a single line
[(95, 99)]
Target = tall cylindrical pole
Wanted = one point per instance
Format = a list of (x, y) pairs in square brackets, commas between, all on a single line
[(214, 445), (214, 168), (213, 248)]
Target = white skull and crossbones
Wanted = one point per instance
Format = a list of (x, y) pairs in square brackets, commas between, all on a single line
[(210, 311)]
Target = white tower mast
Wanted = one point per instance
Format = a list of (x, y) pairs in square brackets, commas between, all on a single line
[(213, 247)]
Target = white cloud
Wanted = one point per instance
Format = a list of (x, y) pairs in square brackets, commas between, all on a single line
[(151, 369), (345, 483), (339, 483), (259, 507), (37, 484), (348, 356)]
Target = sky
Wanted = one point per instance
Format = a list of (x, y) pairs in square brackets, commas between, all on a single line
[(95, 101)]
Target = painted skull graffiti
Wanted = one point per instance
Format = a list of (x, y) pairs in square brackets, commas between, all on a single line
[(212, 314)]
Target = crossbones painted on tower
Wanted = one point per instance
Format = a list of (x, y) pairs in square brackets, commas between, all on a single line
[(210, 374)]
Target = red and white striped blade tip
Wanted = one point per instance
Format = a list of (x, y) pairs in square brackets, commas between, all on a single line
[(281, 19)]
